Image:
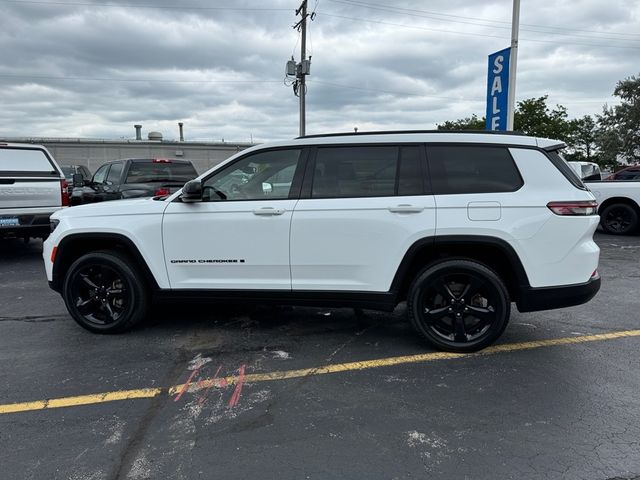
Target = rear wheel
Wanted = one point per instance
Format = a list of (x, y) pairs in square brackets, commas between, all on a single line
[(619, 219), (459, 305), (104, 293)]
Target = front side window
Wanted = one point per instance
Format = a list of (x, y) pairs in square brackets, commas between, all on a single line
[(101, 174), (355, 172), (456, 169), (114, 174), (261, 176)]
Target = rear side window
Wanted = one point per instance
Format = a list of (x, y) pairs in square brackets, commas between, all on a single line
[(25, 161), (410, 176), (458, 169), (355, 172)]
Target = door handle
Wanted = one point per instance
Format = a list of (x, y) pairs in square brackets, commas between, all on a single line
[(268, 211), (406, 208)]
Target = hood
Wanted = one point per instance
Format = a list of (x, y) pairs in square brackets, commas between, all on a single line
[(134, 206)]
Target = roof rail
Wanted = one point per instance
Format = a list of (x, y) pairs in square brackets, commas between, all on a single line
[(388, 132)]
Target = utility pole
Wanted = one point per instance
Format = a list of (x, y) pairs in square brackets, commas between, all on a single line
[(302, 69), (513, 63)]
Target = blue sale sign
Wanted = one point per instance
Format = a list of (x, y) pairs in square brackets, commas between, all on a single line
[(498, 90)]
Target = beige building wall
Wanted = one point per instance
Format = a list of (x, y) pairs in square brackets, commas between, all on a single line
[(93, 153)]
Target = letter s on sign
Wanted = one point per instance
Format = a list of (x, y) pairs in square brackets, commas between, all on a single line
[(498, 64)]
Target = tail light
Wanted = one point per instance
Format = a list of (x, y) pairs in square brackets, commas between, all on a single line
[(589, 207), (160, 192), (64, 193)]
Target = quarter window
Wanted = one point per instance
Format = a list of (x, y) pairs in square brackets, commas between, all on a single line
[(472, 169), (264, 175)]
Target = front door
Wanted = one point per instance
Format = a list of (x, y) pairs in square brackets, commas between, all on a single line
[(238, 236)]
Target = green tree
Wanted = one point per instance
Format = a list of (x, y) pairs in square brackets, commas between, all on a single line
[(583, 139), (534, 117), (620, 124), (469, 123)]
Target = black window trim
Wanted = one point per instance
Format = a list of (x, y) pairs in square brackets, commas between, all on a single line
[(506, 146), (296, 183)]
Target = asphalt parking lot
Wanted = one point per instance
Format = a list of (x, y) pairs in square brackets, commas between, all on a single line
[(211, 391)]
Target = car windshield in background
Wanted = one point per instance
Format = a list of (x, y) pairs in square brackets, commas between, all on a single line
[(170, 172)]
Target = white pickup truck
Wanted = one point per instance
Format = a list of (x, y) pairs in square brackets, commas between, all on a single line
[(618, 205), (32, 187)]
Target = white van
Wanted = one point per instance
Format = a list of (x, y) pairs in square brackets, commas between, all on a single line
[(32, 187)]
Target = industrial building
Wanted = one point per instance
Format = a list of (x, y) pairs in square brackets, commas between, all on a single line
[(94, 152)]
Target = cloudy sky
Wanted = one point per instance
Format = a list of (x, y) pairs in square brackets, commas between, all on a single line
[(84, 68)]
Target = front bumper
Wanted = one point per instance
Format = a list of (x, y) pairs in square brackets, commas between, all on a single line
[(548, 298)]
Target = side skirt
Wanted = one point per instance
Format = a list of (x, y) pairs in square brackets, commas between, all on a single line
[(385, 301)]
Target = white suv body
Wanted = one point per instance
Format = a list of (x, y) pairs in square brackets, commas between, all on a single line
[(364, 220)]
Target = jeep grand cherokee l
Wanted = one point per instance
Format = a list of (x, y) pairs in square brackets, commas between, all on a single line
[(460, 225)]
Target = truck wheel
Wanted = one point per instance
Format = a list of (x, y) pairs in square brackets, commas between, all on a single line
[(104, 293), (619, 219), (459, 305)]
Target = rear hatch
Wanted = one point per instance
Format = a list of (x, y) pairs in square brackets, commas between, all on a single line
[(29, 179)]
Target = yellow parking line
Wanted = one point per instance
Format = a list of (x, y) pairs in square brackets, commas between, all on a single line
[(288, 374)]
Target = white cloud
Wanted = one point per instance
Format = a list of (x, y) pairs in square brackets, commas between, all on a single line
[(91, 70)]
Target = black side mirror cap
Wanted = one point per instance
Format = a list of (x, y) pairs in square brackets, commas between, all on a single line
[(78, 180), (192, 191)]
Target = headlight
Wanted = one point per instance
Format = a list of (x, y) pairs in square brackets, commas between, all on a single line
[(53, 223)]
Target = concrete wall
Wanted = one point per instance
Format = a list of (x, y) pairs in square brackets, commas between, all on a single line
[(94, 153)]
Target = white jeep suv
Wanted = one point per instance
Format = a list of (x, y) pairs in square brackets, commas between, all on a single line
[(459, 225)]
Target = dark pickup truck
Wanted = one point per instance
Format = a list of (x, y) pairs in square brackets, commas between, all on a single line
[(131, 178)]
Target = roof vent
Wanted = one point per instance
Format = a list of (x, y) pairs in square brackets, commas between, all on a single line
[(155, 136)]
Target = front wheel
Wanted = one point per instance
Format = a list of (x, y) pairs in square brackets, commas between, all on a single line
[(459, 305), (619, 219), (104, 293)]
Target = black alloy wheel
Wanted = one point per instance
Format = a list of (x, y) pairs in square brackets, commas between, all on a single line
[(459, 305), (619, 219), (104, 294)]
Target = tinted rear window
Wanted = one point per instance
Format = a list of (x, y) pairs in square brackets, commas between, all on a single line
[(472, 169), (144, 172), (355, 172), (25, 161)]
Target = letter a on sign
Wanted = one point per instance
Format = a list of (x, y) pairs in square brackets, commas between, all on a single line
[(498, 90)]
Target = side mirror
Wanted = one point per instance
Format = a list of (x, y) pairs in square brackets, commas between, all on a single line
[(267, 188), (192, 191), (78, 180)]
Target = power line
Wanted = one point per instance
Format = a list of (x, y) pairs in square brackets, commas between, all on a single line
[(404, 10), (476, 34), (163, 7), (144, 80)]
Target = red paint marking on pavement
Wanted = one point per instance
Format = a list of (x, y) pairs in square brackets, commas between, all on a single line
[(186, 385), (212, 382), (236, 393)]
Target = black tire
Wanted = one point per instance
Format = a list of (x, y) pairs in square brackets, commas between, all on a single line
[(105, 293), (619, 219), (459, 305)]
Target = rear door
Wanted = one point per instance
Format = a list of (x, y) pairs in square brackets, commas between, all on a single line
[(28, 179), (365, 207)]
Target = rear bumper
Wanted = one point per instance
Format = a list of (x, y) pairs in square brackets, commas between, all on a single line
[(31, 225), (548, 298)]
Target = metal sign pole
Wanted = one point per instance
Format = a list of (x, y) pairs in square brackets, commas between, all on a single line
[(513, 62)]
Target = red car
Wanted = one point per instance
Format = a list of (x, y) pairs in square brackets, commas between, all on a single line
[(629, 173)]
